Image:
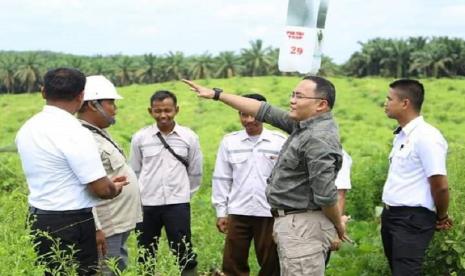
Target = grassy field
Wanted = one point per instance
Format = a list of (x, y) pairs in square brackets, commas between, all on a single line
[(365, 131)]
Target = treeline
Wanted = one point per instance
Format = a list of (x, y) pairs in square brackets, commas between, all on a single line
[(412, 57), (23, 71)]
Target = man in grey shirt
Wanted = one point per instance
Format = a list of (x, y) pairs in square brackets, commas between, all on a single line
[(301, 189)]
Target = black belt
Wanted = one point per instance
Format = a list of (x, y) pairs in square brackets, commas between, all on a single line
[(284, 212), (37, 211), (406, 208)]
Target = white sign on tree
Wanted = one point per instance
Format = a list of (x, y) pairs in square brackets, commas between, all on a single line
[(303, 36)]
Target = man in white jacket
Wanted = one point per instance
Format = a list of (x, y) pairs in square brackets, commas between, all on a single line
[(244, 162)]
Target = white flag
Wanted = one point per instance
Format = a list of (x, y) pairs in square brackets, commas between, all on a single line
[(303, 36)]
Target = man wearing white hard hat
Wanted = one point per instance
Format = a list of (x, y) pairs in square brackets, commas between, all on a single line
[(115, 218)]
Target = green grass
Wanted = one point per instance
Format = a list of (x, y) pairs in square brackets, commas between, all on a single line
[(365, 131)]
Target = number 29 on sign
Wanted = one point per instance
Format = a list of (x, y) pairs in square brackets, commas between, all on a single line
[(296, 50)]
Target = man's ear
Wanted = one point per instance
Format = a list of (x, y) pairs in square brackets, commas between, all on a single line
[(149, 109), (323, 105), (406, 103), (42, 91), (80, 97), (177, 109)]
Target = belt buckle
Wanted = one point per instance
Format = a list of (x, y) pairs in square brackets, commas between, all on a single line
[(281, 213)]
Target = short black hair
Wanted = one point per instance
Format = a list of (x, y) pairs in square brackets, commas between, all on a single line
[(160, 95), (324, 88), (410, 89), (63, 84), (255, 96)]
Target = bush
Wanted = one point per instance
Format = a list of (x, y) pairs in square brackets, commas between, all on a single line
[(446, 254)]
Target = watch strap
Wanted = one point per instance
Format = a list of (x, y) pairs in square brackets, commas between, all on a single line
[(218, 91)]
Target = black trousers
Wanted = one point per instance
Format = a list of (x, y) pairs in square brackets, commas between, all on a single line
[(67, 230), (406, 233), (176, 218)]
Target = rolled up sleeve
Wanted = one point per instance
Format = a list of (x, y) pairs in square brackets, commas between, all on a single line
[(275, 117)]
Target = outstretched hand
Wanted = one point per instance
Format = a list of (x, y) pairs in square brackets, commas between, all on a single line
[(201, 91)]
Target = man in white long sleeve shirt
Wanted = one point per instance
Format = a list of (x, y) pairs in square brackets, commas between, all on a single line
[(244, 162), (168, 162)]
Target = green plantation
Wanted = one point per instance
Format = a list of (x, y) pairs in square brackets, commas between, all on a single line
[(366, 134)]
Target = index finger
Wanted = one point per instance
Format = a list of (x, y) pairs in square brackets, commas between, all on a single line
[(190, 83)]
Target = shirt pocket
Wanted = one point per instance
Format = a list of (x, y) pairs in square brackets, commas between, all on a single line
[(269, 155), (112, 159), (181, 151), (116, 159), (290, 163), (403, 155), (151, 152), (268, 160), (238, 158)]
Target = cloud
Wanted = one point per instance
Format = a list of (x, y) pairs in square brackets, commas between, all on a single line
[(453, 13), (250, 11)]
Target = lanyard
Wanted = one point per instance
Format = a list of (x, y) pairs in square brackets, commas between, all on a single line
[(99, 132)]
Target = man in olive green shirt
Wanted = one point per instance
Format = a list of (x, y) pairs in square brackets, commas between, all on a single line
[(301, 189)]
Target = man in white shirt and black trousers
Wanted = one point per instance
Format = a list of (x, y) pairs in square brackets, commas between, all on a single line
[(416, 194), (244, 161), (168, 162), (64, 173)]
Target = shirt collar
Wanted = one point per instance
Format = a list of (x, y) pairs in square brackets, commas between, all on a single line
[(175, 129), (314, 120), (408, 128), (58, 111), (265, 135), (397, 130)]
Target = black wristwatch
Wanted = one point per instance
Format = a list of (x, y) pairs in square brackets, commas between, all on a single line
[(217, 93)]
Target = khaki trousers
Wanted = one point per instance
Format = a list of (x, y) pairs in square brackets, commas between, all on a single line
[(303, 241)]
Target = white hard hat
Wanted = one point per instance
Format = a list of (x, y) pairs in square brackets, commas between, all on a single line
[(98, 88)]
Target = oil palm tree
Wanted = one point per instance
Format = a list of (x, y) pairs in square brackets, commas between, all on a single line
[(228, 65), (255, 59), (8, 66), (28, 74), (201, 66)]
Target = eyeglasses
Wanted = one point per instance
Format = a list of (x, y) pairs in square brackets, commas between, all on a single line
[(299, 96), (244, 114)]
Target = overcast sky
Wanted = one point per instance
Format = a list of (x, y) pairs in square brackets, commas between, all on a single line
[(196, 26)]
